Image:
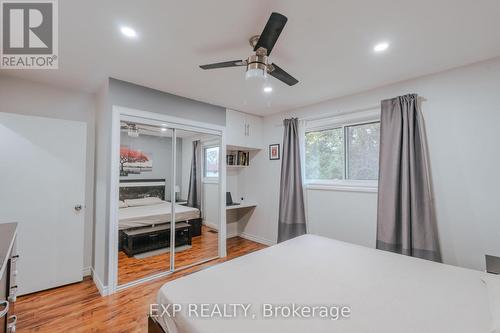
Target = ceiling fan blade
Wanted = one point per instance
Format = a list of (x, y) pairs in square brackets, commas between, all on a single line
[(271, 32), (233, 63), (281, 75)]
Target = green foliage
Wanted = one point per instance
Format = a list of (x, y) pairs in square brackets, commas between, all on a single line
[(325, 153)]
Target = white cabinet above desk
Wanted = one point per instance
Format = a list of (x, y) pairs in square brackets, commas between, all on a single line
[(243, 131)]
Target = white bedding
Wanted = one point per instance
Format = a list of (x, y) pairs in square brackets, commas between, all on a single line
[(141, 216), (387, 293)]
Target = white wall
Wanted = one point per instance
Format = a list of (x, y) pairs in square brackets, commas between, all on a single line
[(30, 98), (462, 115)]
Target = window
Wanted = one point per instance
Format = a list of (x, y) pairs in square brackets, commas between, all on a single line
[(211, 162), (343, 152)]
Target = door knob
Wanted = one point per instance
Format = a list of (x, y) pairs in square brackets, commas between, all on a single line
[(78, 208)]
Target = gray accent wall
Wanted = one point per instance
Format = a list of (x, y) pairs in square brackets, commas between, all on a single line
[(160, 149), (142, 98)]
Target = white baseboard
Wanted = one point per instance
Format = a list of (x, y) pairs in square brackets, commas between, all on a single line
[(257, 239), (211, 225), (103, 290), (87, 271), (251, 237)]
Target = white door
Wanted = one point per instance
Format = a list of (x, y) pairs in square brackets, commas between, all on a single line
[(42, 177)]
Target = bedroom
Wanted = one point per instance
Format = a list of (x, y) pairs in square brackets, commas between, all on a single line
[(65, 194)]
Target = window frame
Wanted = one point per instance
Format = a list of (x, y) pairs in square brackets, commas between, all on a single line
[(341, 121), (206, 179)]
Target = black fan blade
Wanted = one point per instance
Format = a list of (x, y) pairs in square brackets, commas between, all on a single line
[(271, 32), (233, 63), (281, 75)]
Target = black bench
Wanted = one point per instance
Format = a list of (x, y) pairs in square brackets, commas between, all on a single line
[(146, 239)]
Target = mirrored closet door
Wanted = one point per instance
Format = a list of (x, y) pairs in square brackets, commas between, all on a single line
[(198, 196), (144, 213), (169, 195)]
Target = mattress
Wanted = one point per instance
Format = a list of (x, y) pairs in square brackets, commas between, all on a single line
[(141, 216), (385, 292)]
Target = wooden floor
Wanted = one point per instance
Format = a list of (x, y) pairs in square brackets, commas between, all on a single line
[(203, 247), (79, 307)]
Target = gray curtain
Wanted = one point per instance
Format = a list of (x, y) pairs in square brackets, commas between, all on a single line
[(194, 190), (406, 221), (292, 217)]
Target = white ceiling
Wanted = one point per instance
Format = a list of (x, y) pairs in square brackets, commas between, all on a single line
[(327, 45)]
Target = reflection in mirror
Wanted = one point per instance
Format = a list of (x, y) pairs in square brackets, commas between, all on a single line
[(144, 213), (197, 209)]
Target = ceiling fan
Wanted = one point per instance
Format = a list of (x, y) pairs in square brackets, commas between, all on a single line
[(257, 65)]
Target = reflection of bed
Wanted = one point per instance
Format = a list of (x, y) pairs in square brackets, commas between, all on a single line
[(386, 292), (143, 216)]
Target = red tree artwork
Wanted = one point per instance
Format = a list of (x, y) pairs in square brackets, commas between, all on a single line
[(133, 161)]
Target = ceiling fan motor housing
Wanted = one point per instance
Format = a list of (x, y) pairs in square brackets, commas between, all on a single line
[(257, 62)]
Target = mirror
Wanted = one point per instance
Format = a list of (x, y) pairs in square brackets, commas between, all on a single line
[(198, 197), (144, 213)]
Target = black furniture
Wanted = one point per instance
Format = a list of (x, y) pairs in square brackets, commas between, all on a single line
[(146, 239), (8, 272), (195, 226)]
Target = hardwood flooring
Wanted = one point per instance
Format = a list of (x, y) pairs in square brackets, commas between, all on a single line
[(203, 247), (79, 307)]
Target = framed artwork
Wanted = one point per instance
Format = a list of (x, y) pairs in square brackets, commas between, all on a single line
[(134, 161), (274, 151)]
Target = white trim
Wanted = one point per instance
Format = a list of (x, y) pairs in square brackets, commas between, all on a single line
[(123, 113), (339, 187), (257, 239), (211, 225), (140, 184), (87, 271), (9, 251), (222, 196), (152, 118), (103, 290), (340, 121), (113, 202)]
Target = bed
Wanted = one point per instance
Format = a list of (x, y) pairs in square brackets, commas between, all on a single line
[(144, 217), (153, 214), (385, 292)]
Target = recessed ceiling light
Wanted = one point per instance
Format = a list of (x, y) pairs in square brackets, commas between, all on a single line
[(163, 129), (128, 32), (268, 89), (380, 47)]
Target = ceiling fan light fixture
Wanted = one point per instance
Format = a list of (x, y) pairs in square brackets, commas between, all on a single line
[(255, 73), (256, 67)]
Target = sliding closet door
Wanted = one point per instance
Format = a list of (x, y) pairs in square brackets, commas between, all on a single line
[(145, 213), (197, 197)]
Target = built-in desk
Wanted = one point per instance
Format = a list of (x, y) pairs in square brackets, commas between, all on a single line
[(243, 205)]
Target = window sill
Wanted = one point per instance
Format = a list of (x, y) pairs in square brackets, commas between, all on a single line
[(346, 187)]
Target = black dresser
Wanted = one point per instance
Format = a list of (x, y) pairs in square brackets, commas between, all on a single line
[(8, 273)]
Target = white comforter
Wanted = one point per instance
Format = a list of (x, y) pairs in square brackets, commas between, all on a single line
[(387, 293), (141, 216)]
